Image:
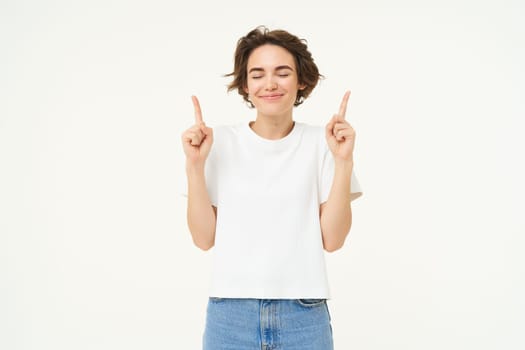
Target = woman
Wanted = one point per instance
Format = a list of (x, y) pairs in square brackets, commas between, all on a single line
[(269, 195)]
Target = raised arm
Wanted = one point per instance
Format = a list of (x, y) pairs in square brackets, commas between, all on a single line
[(336, 212), (201, 215)]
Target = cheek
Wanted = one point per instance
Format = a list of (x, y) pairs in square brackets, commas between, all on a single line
[(291, 85), (252, 87)]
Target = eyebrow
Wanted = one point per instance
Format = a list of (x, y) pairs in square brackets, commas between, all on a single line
[(258, 69)]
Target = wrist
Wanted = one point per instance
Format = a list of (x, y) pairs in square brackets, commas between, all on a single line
[(344, 164), (194, 168)]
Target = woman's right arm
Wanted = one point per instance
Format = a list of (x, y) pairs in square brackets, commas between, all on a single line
[(201, 215)]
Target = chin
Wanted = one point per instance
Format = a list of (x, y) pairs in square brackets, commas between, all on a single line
[(276, 109)]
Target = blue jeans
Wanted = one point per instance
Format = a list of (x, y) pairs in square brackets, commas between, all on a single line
[(267, 324)]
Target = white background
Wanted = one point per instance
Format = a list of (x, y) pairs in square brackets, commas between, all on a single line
[(94, 95)]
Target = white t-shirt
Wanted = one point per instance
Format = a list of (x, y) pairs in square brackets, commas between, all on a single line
[(268, 241)]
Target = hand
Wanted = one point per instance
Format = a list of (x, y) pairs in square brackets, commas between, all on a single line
[(198, 139), (340, 135)]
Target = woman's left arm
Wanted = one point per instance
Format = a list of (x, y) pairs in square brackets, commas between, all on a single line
[(336, 213)]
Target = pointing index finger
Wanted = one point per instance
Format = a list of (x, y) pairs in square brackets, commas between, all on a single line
[(344, 103), (197, 107)]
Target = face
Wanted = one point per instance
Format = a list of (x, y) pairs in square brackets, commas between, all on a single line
[(272, 80)]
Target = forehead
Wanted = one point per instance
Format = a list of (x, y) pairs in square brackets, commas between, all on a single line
[(269, 56)]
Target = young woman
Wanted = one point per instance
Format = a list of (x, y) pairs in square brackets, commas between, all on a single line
[(270, 195)]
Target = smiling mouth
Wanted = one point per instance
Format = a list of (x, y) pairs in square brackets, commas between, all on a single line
[(272, 97)]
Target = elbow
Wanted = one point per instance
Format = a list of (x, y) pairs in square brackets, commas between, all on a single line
[(332, 244), (202, 239), (335, 240), (203, 236), (332, 247), (203, 245)]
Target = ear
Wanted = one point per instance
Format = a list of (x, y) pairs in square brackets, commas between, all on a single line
[(302, 86)]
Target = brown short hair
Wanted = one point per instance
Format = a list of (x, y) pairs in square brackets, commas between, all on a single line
[(307, 71)]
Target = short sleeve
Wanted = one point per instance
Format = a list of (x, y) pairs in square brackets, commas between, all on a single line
[(327, 176)]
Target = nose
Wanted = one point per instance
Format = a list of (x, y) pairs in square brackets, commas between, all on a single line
[(271, 84)]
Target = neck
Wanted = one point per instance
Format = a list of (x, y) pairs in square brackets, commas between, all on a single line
[(272, 128)]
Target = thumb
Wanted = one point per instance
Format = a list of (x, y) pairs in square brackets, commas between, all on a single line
[(205, 130), (208, 132), (330, 126)]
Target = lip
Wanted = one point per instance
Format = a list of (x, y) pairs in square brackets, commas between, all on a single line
[(271, 97)]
